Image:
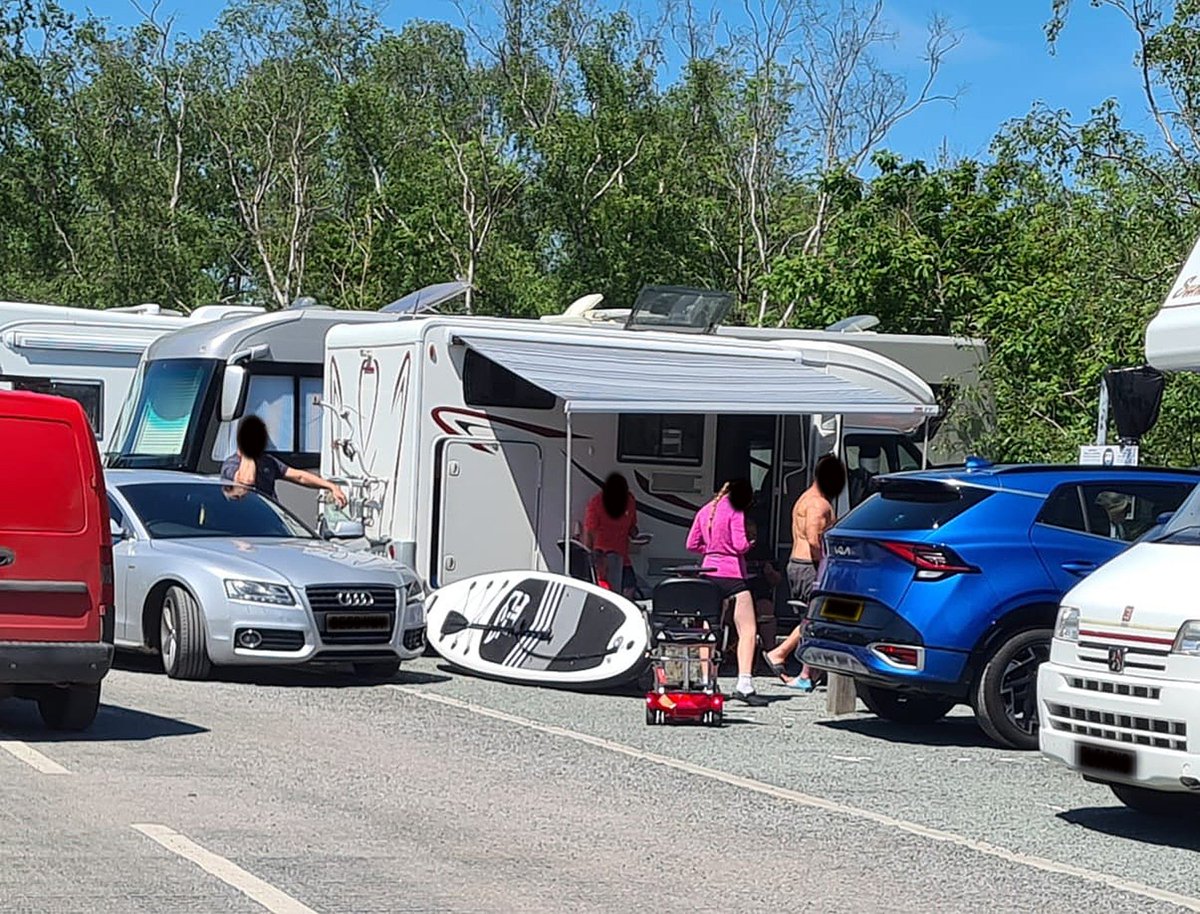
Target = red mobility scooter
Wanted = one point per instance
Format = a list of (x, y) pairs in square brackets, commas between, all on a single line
[(687, 639)]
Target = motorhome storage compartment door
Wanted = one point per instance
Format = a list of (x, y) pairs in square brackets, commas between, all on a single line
[(487, 519)]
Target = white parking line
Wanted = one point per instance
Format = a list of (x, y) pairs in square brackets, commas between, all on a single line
[(32, 757), (801, 799), (228, 872)]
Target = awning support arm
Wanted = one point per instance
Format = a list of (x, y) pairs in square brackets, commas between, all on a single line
[(567, 504)]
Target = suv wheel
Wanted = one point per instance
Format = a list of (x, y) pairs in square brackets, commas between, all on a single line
[(181, 636), (903, 707), (71, 707), (1006, 694), (1155, 802), (377, 671)]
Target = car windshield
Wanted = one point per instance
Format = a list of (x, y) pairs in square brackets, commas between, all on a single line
[(171, 510), (159, 421), (1184, 525)]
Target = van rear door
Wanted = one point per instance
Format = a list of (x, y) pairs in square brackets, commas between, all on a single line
[(51, 544)]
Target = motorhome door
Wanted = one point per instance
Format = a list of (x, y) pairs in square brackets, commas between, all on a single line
[(488, 511)]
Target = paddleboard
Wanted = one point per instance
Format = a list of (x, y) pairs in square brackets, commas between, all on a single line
[(539, 628)]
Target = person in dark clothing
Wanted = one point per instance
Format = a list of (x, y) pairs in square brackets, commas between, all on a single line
[(252, 468)]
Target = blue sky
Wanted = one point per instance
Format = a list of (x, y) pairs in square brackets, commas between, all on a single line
[(1002, 66)]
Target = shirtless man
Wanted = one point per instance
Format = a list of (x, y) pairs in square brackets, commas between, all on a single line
[(812, 515)]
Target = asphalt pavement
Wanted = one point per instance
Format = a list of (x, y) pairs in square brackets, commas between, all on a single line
[(299, 791)]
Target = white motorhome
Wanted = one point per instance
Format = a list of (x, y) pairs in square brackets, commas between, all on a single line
[(87, 354), (1119, 699), (194, 384), (453, 435)]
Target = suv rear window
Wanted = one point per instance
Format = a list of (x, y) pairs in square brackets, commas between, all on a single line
[(913, 505)]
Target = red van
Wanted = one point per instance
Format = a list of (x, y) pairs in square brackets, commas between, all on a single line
[(56, 573)]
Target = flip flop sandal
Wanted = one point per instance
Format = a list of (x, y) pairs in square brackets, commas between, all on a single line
[(801, 685), (776, 668)]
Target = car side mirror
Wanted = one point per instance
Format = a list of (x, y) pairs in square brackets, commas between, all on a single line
[(346, 530), (1164, 518), (232, 383), (116, 530)]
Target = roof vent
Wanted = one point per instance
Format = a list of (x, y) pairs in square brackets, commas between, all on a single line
[(859, 323), (977, 463), (304, 303)]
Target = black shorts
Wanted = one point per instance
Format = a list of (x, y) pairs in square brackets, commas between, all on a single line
[(801, 577), (730, 587)]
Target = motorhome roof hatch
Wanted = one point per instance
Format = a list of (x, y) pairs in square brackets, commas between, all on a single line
[(427, 299), (678, 308)]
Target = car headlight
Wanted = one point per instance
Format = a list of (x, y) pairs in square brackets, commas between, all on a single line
[(260, 592), (415, 590), (1188, 639), (1067, 626)]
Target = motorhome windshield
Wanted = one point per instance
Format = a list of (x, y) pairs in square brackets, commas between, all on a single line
[(160, 419)]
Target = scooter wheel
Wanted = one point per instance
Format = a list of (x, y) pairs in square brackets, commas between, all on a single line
[(716, 718), (651, 717)]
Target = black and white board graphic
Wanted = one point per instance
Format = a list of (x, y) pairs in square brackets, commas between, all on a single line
[(537, 627)]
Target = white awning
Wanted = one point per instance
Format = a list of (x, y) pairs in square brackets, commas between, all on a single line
[(630, 372)]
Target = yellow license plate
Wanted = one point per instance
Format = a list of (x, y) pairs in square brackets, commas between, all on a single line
[(838, 610)]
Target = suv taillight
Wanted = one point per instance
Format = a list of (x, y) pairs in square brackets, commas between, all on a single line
[(933, 563)]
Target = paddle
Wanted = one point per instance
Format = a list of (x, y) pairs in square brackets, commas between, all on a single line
[(456, 622)]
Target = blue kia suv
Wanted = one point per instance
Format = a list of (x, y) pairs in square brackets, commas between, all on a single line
[(942, 588)]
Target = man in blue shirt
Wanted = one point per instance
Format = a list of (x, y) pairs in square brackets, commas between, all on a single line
[(253, 468)]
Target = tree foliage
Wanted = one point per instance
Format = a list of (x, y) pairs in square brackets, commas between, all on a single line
[(550, 148)]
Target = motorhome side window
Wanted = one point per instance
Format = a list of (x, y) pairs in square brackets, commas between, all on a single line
[(288, 405), (675, 439), (88, 394), (487, 384)]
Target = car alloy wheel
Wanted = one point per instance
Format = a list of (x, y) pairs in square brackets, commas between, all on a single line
[(1018, 686), (168, 638), (182, 638), (1005, 694)]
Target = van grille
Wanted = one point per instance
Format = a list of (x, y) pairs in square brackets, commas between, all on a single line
[(366, 616), (1136, 657), (1114, 688), (1128, 729)]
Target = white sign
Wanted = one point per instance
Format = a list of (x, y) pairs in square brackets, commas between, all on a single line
[(1109, 455)]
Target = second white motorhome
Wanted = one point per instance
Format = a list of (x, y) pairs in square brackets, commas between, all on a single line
[(87, 354), (453, 435), (193, 385)]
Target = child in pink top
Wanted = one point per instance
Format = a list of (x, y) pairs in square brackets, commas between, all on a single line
[(719, 534)]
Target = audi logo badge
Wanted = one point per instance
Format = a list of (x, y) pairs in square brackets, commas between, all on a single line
[(1116, 659), (355, 598)]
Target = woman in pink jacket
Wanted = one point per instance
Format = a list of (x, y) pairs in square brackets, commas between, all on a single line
[(719, 534)]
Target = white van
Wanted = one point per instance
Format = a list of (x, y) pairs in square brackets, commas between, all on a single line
[(1120, 696)]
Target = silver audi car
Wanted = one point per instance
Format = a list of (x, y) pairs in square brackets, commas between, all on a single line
[(206, 573)]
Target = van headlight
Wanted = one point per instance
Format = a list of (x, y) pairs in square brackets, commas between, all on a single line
[(1188, 639), (259, 592), (1067, 626)]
